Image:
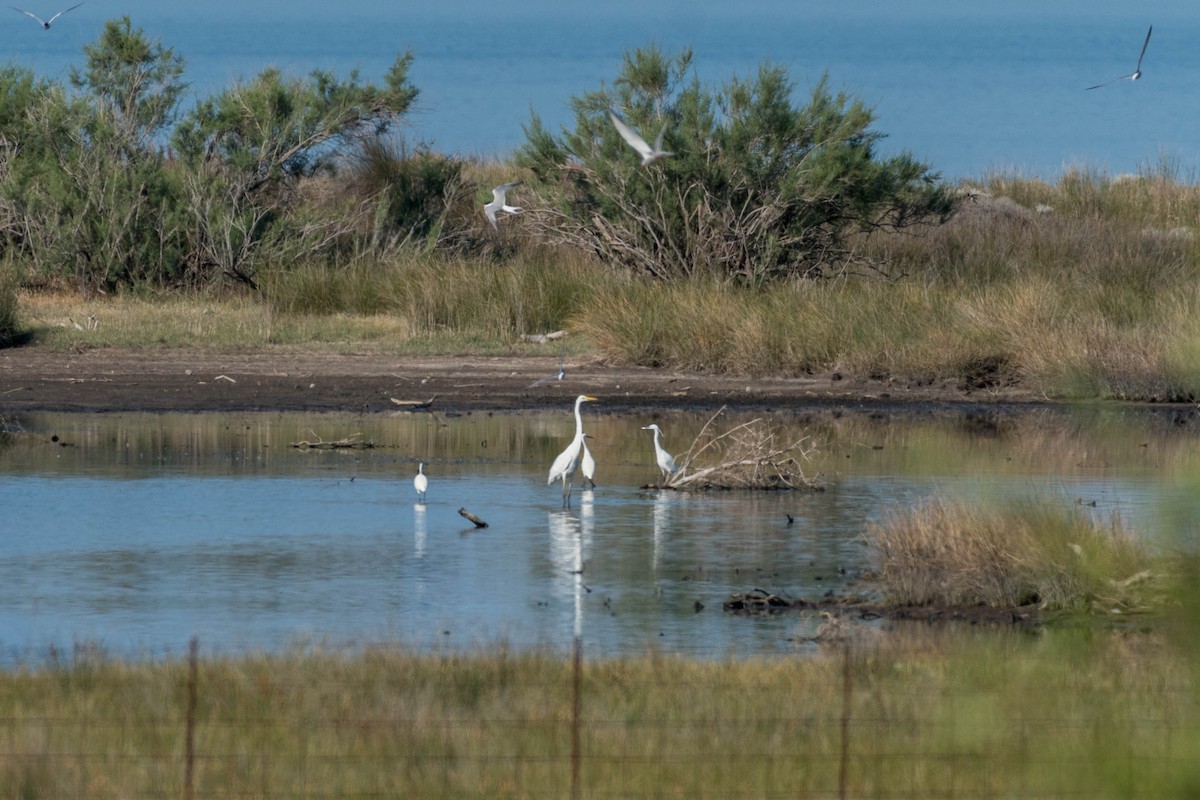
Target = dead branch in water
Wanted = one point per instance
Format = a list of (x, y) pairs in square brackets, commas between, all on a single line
[(474, 519), (748, 456)]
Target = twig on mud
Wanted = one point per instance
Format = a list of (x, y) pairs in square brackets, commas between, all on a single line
[(320, 444)]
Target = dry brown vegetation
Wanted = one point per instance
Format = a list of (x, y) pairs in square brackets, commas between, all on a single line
[(750, 455), (955, 554)]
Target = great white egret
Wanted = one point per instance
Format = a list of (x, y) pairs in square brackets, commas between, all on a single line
[(499, 204), (563, 468), (1137, 72), (46, 23), (666, 462), (421, 482), (649, 154), (587, 464)]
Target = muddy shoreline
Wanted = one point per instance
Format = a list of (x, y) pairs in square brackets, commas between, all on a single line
[(173, 380)]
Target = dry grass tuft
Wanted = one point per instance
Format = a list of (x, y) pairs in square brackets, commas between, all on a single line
[(954, 554)]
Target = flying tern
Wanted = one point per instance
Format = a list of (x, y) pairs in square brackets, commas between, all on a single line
[(498, 203), (1137, 73), (46, 23), (649, 154)]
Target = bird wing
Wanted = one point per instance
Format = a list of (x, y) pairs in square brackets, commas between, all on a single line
[(59, 14), (566, 463), (1144, 45), (28, 14), (630, 135), (500, 191), (658, 141), (1114, 80)]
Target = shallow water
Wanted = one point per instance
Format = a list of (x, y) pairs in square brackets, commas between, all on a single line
[(135, 532)]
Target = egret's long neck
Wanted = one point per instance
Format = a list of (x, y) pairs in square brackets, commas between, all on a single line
[(578, 420)]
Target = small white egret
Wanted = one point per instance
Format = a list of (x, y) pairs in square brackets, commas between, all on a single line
[(649, 154), (1137, 72), (45, 23), (666, 462), (563, 468), (421, 482), (499, 204), (587, 464)]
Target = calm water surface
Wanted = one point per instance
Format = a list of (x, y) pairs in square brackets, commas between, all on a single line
[(136, 532), (967, 87)]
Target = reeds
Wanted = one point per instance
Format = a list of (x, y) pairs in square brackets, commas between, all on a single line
[(1028, 553), (1098, 298), (9, 322)]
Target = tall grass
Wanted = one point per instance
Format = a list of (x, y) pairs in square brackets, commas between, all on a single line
[(433, 295), (9, 324), (957, 554), (1109, 715), (1100, 298)]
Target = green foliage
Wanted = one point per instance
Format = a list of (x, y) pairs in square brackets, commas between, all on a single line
[(757, 188), (135, 86), (8, 307), (276, 126), (89, 192)]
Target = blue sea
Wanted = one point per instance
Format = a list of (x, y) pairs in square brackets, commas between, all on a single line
[(969, 88)]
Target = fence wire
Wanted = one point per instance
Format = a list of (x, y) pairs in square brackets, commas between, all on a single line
[(862, 732)]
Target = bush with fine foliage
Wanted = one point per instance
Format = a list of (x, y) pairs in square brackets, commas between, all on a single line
[(758, 188)]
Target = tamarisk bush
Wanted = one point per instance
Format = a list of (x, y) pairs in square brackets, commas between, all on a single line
[(758, 188)]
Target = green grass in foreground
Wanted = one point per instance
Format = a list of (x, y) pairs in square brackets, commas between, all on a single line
[(1093, 715)]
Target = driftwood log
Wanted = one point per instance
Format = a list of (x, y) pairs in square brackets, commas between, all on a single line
[(476, 520)]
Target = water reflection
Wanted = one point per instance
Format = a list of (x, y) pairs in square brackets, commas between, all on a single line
[(140, 531)]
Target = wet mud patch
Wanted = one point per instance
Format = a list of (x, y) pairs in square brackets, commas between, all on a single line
[(859, 607)]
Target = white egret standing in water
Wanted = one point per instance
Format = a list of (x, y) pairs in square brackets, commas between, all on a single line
[(563, 468), (587, 464), (420, 482), (666, 461)]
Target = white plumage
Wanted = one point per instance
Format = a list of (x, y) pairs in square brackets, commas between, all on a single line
[(564, 467), (666, 462), (649, 154)]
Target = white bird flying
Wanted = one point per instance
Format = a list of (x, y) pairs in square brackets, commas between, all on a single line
[(563, 468), (1137, 73), (666, 462), (649, 154), (498, 202), (46, 23), (421, 482)]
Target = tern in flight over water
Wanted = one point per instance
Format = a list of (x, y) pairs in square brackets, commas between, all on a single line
[(1137, 73), (498, 203), (649, 154), (46, 23)]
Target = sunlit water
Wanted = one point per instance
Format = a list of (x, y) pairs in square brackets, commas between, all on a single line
[(136, 532), (966, 87)]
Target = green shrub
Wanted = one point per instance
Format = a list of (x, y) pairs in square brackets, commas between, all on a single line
[(8, 307), (757, 189)]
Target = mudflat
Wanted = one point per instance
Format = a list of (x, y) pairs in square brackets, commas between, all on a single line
[(34, 378)]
